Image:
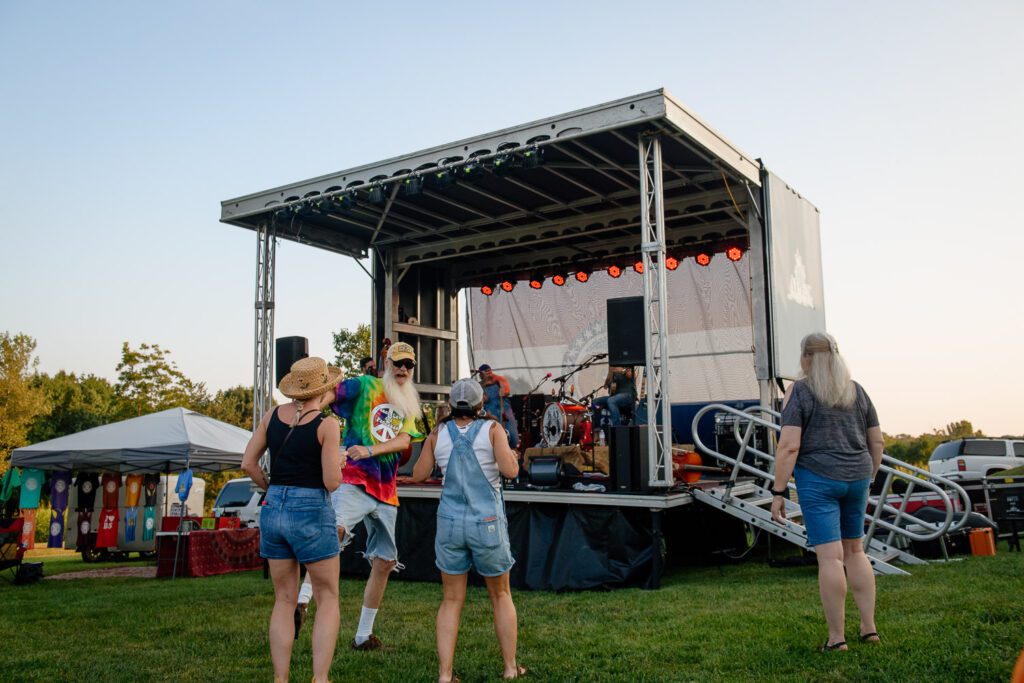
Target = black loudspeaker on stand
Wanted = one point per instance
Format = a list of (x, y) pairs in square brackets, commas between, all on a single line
[(626, 331), (629, 465), (288, 350)]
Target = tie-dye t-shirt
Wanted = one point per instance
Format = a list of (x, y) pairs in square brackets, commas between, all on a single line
[(369, 420)]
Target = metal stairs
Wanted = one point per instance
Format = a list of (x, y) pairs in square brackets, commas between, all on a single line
[(885, 513)]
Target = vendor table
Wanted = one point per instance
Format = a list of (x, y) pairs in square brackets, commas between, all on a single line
[(568, 540), (209, 552)]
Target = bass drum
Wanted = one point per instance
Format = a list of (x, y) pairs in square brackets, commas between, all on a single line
[(563, 424)]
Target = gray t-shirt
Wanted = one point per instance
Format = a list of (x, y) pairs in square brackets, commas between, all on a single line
[(833, 441)]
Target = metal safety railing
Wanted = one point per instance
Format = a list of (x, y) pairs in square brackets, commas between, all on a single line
[(886, 511)]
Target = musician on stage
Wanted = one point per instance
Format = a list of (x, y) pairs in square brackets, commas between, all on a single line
[(621, 395), (497, 403)]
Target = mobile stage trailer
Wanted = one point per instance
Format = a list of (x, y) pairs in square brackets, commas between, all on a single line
[(639, 180)]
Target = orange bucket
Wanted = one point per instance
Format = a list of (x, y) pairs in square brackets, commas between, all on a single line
[(983, 542)]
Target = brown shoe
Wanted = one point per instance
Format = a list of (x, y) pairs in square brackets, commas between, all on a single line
[(300, 617), (371, 643)]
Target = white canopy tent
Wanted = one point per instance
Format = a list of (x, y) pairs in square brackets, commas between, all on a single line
[(168, 441)]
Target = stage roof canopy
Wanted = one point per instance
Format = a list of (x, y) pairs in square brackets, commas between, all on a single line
[(538, 197)]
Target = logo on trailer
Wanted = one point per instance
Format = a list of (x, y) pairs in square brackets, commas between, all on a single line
[(385, 422)]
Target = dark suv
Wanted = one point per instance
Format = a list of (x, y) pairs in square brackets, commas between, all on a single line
[(975, 458)]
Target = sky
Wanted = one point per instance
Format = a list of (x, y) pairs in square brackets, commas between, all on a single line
[(123, 126)]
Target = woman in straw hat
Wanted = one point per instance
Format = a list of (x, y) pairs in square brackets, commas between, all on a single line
[(297, 522), (832, 443), (471, 529)]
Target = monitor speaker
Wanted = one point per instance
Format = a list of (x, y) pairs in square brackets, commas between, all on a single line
[(288, 350), (629, 466), (626, 331)]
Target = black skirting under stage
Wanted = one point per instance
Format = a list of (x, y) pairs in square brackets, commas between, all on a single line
[(564, 546)]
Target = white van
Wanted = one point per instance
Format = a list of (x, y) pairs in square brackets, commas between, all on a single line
[(239, 498)]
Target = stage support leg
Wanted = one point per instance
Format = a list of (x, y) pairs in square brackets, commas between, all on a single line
[(263, 363), (657, 551), (652, 247)]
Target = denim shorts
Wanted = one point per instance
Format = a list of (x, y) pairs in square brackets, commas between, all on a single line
[(832, 509), (461, 543), (297, 523), (353, 505)]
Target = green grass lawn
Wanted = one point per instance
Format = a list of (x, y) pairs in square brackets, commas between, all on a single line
[(959, 621)]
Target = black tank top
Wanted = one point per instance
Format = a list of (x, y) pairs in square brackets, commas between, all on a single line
[(297, 462)]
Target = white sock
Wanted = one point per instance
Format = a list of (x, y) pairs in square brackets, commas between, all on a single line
[(365, 629), (305, 592)]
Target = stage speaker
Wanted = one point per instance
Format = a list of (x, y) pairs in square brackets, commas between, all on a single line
[(625, 317), (287, 351), (546, 470), (628, 467)]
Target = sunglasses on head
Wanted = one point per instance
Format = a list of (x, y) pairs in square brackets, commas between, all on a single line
[(407, 364)]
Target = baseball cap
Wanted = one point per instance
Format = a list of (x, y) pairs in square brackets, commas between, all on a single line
[(466, 393), (401, 351), (484, 368)]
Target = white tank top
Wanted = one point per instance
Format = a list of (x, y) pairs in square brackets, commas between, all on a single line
[(481, 447)]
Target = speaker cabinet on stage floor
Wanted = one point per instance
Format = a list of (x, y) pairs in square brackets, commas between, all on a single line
[(629, 467), (287, 351), (626, 331)]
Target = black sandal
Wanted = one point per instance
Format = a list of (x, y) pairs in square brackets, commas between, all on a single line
[(866, 637), (834, 646)]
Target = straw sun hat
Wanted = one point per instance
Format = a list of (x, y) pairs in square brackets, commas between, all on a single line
[(309, 377)]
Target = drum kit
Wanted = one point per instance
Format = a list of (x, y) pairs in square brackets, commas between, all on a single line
[(567, 421)]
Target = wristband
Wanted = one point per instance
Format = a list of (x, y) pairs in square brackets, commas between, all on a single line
[(369, 451), (784, 493)]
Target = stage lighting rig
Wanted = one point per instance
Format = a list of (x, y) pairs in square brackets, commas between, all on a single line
[(703, 258), (376, 194), (413, 185), (503, 163), (443, 178), (487, 290), (507, 285), (558, 279), (536, 282), (614, 271), (638, 267), (533, 157), (671, 262), (582, 275), (734, 252)]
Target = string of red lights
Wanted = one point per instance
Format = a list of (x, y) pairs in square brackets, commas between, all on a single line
[(702, 257)]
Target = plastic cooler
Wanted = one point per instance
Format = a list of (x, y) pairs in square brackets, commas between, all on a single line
[(983, 542)]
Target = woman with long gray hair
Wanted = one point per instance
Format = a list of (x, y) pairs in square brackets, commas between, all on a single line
[(831, 443)]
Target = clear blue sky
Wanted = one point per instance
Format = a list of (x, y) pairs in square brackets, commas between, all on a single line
[(123, 125)]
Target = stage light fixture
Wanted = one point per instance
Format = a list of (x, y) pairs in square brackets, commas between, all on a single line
[(507, 285), (639, 267), (502, 163), (533, 157), (614, 271), (558, 279), (734, 253), (671, 262), (376, 194), (471, 169), (413, 185), (536, 282), (582, 276), (487, 290), (443, 178), (703, 258)]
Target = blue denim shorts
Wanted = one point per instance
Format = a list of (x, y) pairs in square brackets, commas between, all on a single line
[(832, 509), (297, 523), (352, 505), (461, 543)]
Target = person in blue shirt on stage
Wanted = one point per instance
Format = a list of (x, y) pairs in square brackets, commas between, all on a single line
[(497, 402)]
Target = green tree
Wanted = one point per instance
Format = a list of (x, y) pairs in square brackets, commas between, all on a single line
[(233, 406), (20, 402), (147, 381), (78, 403), (350, 346)]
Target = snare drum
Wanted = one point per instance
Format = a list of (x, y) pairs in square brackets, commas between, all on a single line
[(563, 424)]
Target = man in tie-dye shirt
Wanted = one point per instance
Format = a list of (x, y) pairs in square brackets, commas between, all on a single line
[(380, 422)]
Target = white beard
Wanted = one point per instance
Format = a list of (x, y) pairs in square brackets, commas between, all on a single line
[(405, 397)]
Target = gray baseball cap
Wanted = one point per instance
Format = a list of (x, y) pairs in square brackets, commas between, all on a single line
[(466, 393)]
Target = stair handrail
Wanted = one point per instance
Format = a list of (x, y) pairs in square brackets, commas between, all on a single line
[(889, 466)]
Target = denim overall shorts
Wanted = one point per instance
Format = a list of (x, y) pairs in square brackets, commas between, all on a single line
[(471, 525)]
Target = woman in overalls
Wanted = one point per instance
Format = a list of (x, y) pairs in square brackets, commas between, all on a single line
[(472, 452)]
